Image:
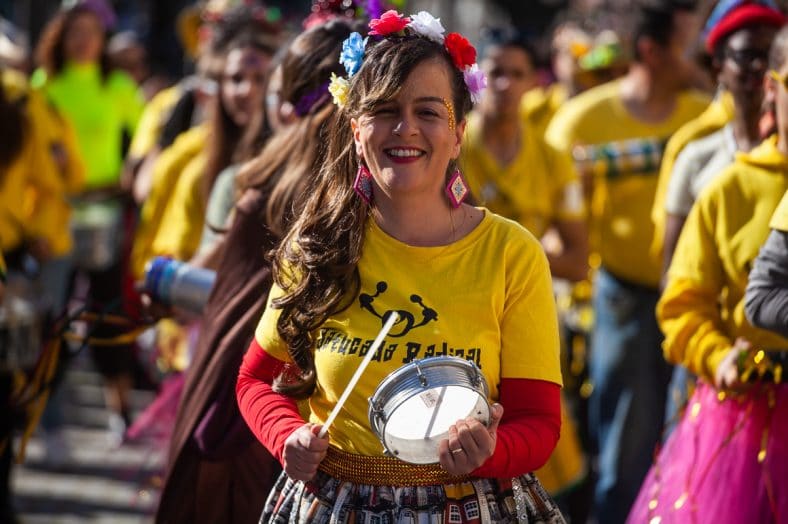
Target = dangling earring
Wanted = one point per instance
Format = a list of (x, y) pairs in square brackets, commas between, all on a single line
[(456, 189), (363, 184)]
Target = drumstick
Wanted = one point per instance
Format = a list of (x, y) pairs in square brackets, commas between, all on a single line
[(361, 367)]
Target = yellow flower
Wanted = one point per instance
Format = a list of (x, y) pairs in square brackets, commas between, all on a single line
[(339, 88)]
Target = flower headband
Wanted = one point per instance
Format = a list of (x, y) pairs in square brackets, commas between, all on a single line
[(462, 53)]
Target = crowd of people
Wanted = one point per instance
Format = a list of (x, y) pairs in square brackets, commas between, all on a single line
[(603, 235)]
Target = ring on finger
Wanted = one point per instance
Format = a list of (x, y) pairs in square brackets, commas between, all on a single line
[(458, 450)]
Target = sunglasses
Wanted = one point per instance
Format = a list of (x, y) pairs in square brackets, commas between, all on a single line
[(781, 79), (748, 58)]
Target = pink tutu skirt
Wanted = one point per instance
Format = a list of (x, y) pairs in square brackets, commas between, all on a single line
[(726, 462)]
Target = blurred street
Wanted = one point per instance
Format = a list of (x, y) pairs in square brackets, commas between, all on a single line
[(101, 481)]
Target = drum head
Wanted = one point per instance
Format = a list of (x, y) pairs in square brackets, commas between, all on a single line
[(416, 427)]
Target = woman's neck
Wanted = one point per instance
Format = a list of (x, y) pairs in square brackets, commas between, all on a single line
[(502, 137), (416, 223)]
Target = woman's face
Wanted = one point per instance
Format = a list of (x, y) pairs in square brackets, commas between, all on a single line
[(777, 91), (243, 83), (83, 39), (408, 141)]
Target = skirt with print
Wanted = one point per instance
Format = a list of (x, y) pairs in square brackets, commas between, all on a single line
[(329, 500)]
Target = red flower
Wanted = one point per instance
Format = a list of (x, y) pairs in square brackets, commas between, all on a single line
[(462, 52), (389, 22)]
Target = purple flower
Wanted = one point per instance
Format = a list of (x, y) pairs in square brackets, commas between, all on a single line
[(476, 81), (374, 9), (352, 53)]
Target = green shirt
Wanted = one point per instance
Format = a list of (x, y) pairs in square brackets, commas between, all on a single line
[(99, 111)]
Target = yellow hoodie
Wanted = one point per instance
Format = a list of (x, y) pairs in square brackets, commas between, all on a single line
[(701, 311), (780, 218)]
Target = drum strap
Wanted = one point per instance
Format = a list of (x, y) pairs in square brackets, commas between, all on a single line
[(384, 471)]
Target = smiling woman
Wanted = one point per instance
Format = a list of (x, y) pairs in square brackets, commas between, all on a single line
[(384, 229)]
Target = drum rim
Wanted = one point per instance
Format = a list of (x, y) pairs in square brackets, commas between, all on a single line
[(382, 435), (373, 412)]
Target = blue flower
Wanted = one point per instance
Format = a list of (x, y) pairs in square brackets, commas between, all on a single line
[(352, 53)]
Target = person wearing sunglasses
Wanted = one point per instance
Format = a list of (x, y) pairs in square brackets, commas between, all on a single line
[(726, 461), (738, 41)]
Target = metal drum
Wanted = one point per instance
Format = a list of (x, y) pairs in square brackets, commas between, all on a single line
[(20, 332), (97, 228), (412, 409)]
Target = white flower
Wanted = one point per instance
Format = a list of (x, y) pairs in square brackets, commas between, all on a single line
[(427, 25)]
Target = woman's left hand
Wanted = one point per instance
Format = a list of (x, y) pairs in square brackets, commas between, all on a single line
[(470, 443)]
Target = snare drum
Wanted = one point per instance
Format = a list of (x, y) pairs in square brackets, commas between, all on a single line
[(412, 409), (97, 228)]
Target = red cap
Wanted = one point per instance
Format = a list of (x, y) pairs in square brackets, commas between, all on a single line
[(742, 16)]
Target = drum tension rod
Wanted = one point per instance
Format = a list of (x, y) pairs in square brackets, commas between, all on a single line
[(422, 379)]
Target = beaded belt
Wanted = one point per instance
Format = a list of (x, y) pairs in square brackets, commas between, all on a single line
[(384, 471)]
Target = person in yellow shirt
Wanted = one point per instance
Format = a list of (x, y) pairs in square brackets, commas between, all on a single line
[(385, 230), (738, 41), (616, 133), (736, 420), (513, 172), (26, 165)]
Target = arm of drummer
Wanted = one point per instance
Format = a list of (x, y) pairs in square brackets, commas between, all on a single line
[(521, 441), (274, 418)]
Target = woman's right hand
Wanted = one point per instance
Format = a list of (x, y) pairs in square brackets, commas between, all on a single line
[(727, 374), (304, 451)]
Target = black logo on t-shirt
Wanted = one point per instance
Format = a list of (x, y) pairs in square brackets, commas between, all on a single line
[(407, 320)]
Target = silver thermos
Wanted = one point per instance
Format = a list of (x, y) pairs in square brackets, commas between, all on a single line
[(178, 284)]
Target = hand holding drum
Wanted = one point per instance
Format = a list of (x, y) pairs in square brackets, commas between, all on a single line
[(470, 443)]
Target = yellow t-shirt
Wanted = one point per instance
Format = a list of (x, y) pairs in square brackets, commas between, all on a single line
[(181, 226), (539, 187), (49, 211), (701, 310), (166, 171), (152, 121), (42, 205), (714, 118), (485, 298), (780, 218), (538, 106), (623, 155)]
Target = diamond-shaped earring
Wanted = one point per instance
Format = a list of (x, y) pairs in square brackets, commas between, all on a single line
[(457, 189), (363, 184)]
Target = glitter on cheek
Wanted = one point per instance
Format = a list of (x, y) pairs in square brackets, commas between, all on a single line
[(452, 119)]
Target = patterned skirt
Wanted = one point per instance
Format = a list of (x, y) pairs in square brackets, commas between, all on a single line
[(329, 500)]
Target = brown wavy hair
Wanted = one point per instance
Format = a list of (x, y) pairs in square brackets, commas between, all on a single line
[(50, 52), (317, 262), (294, 154)]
